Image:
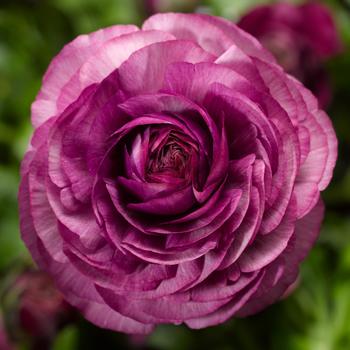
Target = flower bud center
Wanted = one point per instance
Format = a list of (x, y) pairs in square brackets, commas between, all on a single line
[(170, 159)]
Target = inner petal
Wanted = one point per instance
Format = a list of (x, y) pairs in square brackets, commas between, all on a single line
[(170, 157)]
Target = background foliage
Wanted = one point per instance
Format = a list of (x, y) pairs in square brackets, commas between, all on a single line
[(315, 317)]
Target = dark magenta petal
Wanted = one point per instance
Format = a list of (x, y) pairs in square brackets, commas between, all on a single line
[(172, 204), (290, 32)]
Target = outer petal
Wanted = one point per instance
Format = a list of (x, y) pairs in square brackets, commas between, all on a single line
[(65, 65), (214, 34), (144, 71), (275, 284), (115, 51), (320, 162), (80, 292)]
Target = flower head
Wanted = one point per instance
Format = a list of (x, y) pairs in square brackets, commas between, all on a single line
[(301, 37), (35, 308), (174, 174)]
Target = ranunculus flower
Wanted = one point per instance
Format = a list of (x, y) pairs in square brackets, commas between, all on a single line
[(35, 308), (174, 174), (301, 37)]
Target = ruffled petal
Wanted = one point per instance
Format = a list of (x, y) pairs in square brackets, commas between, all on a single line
[(65, 65)]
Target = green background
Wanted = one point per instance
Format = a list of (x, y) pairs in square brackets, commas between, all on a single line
[(315, 317)]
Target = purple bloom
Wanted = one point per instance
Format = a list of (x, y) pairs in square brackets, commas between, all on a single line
[(301, 37), (174, 174), (35, 308)]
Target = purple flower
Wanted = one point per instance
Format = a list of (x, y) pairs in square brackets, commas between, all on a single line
[(174, 174), (301, 37), (35, 308)]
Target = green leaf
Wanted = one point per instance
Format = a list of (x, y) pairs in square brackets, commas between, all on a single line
[(67, 339)]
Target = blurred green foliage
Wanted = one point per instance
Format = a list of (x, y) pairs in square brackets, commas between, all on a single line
[(315, 317)]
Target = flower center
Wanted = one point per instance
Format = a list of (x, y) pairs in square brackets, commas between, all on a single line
[(170, 159)]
